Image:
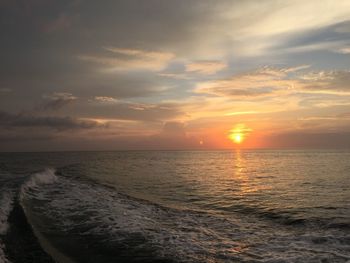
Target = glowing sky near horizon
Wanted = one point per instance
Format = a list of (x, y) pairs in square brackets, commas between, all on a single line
[(93, 75)]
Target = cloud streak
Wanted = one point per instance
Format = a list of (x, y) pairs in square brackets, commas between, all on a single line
[(122, 59), (9, 120)]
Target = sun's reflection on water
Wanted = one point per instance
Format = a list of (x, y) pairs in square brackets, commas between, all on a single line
[(245, 174)]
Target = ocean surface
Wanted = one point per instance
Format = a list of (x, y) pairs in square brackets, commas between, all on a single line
[(175, 206)]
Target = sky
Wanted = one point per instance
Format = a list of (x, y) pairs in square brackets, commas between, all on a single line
[(164, 74)]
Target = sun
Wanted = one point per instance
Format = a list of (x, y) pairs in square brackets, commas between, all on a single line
[(236, 137), (239, 133)]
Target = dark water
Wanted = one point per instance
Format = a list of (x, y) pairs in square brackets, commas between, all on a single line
[(149, 206)]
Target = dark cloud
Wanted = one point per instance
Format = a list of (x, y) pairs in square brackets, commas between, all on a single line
[(131, 111), (21, 137), (56, 33), (56, 101), (88, 26), (122, 85), (9, 120)]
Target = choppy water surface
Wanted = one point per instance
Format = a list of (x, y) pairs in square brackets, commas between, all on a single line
[(152, 206)]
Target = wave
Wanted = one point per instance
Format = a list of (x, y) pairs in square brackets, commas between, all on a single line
[(87, 222), (38, 179)]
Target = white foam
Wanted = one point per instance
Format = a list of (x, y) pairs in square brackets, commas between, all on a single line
[(188, 236), (6, 202), (6, 205), (38, 179)]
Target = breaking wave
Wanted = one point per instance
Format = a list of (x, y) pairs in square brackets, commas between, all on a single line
[(39, 179)]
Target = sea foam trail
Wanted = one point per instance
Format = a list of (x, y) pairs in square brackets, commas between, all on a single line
[(89, 215), (38, 179), (6, 205), (8, 196)]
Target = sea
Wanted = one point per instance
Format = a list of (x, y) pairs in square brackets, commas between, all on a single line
[(175, 206)]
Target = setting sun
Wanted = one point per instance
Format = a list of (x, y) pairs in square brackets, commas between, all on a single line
[(238, 133), (236, 138)]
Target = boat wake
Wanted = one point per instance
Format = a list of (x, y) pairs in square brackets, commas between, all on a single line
[(89, 222), (6, 202), (79, 220)]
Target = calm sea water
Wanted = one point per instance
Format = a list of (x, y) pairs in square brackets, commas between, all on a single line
[(181, 206)]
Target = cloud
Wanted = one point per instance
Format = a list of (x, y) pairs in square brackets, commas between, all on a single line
[(57, 100), (129, 61), (105, 100), (278, 81), (241, 113), (122, 59), (334, 46), (10, 120), (13, 137), (262, 82), (343, 50), (281, 16), (147, 112), (179, 76), (296, 68), (333, 80), (205, 67), (121, 85), (314, 42)]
